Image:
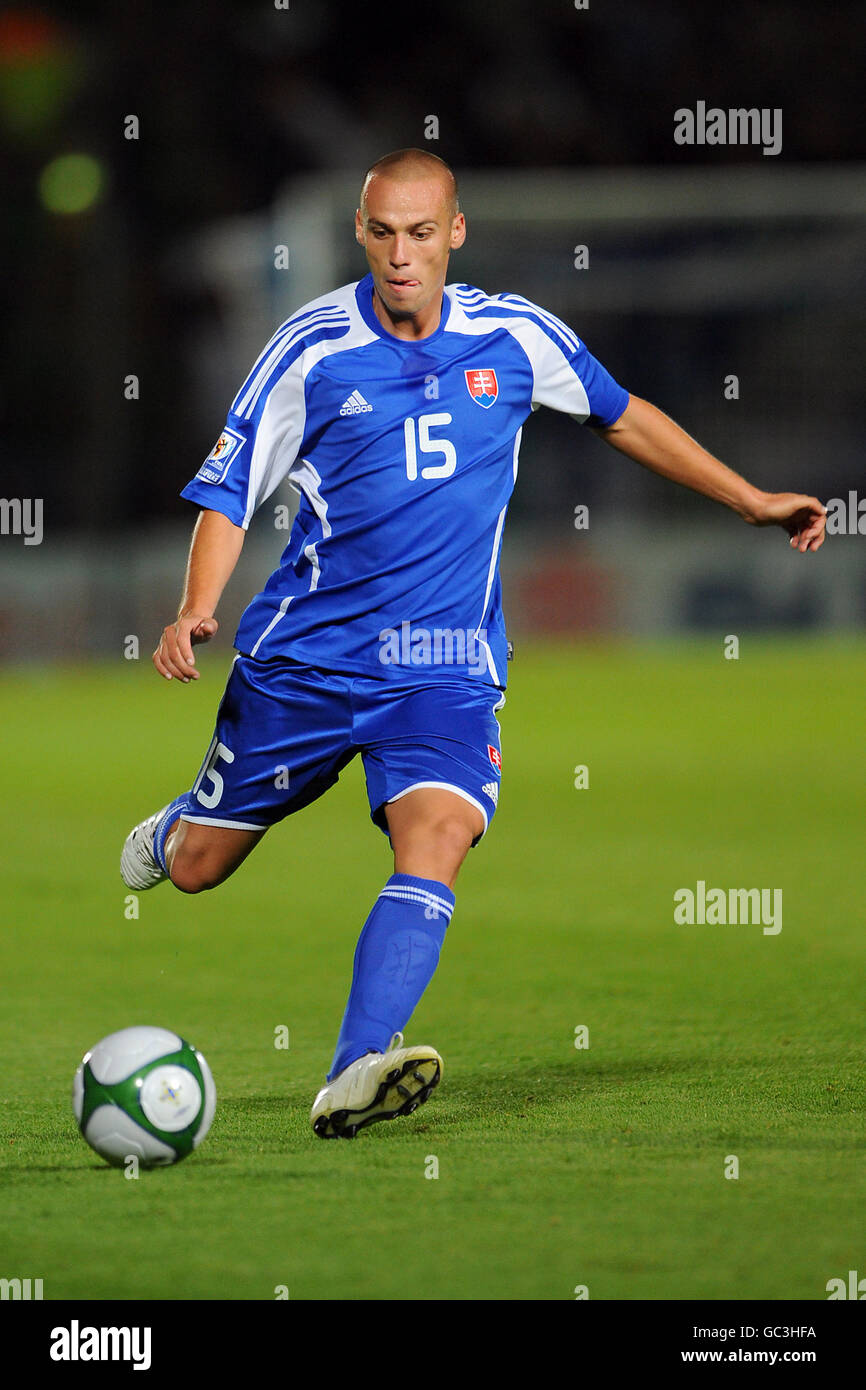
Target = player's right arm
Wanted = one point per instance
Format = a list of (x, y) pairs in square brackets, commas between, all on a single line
[(216, 545), (261, 440)]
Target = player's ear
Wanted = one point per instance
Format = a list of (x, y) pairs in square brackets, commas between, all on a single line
[(458, 231), (359, 228)]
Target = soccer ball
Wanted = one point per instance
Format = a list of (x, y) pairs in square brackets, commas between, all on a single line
[(146, 1093)]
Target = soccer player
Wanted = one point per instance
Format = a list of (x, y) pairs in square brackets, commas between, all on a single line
[(394, 406)]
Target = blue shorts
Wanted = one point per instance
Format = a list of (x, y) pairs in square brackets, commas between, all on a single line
[(285, 731)]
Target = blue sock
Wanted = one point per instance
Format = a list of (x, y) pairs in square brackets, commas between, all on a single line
[(396, 955), (180, 804)]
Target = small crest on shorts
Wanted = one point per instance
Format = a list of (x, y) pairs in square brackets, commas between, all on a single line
[(482, 386), (216, 465), (495, 756)]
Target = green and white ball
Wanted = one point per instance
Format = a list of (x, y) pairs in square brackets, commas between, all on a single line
[(144, 1092)]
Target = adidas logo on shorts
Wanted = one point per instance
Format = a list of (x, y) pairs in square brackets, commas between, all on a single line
[(492, 790), (355, 405)]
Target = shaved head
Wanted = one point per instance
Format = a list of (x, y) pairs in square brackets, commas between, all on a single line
[(408, 224), (409, 166)]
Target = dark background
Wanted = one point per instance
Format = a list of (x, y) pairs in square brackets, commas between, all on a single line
[(240, 103)]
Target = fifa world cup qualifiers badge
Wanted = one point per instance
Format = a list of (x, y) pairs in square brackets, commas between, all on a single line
[(218, 461)]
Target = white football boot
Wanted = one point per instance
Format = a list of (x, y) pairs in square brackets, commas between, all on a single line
[(379, 1086), (138, 866)]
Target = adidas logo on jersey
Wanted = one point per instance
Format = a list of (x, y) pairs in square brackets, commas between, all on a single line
[(492, 790), (355, 405)]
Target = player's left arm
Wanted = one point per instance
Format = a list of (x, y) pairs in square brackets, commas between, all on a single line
[(645, 434)]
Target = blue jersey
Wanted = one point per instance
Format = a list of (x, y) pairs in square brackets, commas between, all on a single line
[(405, 457)]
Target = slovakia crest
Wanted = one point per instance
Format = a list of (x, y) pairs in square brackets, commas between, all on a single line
[(482, 386)]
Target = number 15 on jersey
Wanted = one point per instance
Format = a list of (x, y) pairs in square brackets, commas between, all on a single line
[(423, 443)]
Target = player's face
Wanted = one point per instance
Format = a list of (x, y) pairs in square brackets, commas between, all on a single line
[(408, 233)]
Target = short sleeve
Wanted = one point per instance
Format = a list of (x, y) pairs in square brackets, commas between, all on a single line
[(566, 376), (256, 449), (571, 380), (222, 482), (606, 398)]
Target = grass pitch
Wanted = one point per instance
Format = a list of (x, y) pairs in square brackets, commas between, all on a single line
[(601, 1166)]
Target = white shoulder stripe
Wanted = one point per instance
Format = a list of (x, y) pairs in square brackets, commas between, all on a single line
[(296, 321), (472, 299), (468, 292), (245, 401), (516, 301)]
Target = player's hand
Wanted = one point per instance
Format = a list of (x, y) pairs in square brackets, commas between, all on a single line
[(173, 657), (804, 518)]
